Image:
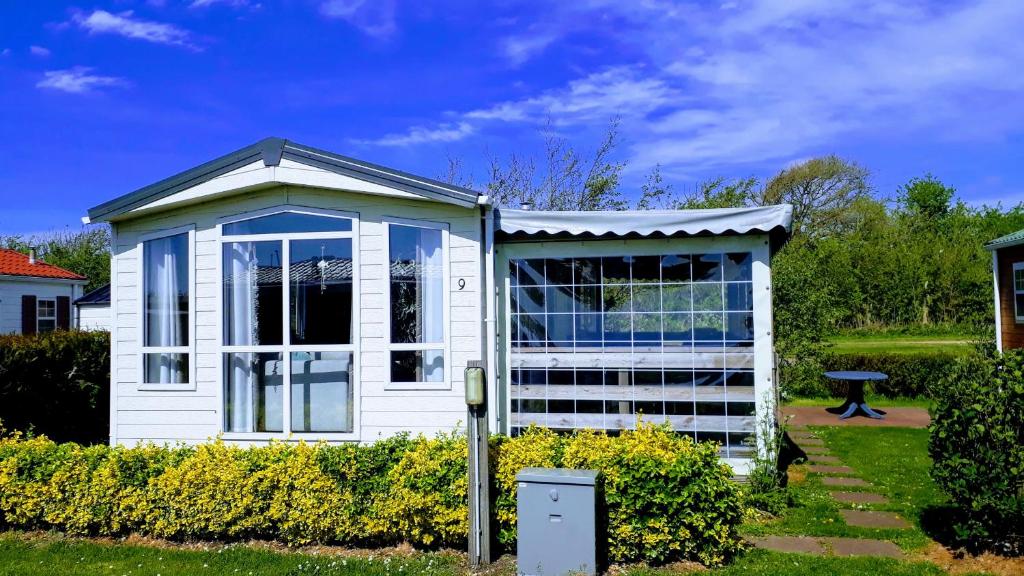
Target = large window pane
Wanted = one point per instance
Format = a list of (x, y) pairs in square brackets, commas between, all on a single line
[(288, 222), (417, 268), (321, 392), (417, 366), (253, 384), (320, 274), (165, 290), (253, 291)]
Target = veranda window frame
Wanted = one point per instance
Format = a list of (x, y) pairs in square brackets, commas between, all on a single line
[(286, 348), (190, 347), (390, 346)]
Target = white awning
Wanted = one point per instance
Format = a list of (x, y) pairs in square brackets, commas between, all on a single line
[(646, 222)]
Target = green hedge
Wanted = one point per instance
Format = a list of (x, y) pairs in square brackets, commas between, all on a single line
[(977, 445), (910, 375), (57, 384), (668, 498)]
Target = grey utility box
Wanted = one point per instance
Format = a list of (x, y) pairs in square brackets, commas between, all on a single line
[(558, 522)]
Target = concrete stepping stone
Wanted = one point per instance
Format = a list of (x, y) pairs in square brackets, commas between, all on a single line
[(809, 442), (863, 547), (826, 469), (859, 498), (803, 436), (838, 481), (815, 450), (798, 544), (824, 459), (871, 519)]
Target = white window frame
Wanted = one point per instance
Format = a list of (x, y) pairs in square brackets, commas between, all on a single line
[(41, 317), (190, 348), (390, 346), (285, 348), (1015, 291)]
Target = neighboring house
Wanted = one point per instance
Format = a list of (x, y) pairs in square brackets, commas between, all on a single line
[(282, 291), (93, 310), (1008, 283), (35, 296)]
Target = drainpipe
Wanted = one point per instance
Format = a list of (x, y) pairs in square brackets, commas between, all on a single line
[(489, 292)]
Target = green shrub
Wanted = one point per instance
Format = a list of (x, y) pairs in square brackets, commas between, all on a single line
[(667, 497), (57, 384), (977, 445), (910, 375)]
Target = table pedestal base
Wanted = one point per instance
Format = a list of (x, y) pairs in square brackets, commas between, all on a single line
[(850, 409)]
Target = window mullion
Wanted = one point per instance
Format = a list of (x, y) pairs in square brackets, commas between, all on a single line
[(286, 379)]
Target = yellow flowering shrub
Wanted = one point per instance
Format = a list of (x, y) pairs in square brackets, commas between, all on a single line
[(666, 497)]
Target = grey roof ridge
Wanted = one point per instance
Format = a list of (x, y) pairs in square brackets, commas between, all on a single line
[(272, 150)]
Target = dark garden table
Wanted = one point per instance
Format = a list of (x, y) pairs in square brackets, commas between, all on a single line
[(855, 403)]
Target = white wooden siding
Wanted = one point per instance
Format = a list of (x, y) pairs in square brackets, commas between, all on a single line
[(12, 289), (94, 317), (193, 416)]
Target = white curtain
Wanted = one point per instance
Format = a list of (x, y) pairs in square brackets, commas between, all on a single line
[(431, 257), (241, 270), (164, 322)]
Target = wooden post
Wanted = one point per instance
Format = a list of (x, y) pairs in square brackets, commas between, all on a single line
[(477, 435)]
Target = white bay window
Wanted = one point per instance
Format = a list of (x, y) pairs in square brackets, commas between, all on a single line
[(289, 331)]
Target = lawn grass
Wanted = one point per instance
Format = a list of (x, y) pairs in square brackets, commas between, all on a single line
[(873, 400), (902, 344), (767, 563), (22, 555), (895, 460)]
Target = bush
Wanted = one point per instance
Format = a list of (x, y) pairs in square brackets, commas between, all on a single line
[(57, 384), (668, 498), (977, 445), (910, 375)]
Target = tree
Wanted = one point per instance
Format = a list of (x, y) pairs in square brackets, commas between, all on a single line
[(927, 198), (568, 182), (821, 190), (717, 192), (85, 252)]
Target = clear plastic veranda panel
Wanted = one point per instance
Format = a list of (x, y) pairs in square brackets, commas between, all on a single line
[(600, 342)]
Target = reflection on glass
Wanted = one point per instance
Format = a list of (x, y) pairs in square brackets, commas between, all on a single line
[(615, 270), (417, 366), (288, 222), (321, 392), (617, 298), (165, 290), (253, 384), (646, 269), (558, 271), (707, 297), (253, 281), (320, 308), (417, 269), (559, 299), (166, 368), (738, 267), (647, 298), (707, 267)]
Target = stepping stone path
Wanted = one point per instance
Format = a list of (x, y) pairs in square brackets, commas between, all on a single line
[(859, 498), (829, 466)]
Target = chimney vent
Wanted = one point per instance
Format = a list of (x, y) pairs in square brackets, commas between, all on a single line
[(526, 206), (31, 255)]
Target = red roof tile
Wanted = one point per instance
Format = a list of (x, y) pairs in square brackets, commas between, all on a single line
[(14, 263)]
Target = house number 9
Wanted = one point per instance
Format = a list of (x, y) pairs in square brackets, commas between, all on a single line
[(462, 283)]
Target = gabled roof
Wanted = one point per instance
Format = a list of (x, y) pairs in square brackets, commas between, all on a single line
[(1014, 239), (271, 151), (640, 223), (97, 297), (14, 263)]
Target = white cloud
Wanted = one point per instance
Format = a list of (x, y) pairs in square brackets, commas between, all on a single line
[(521, 48), (228, 3), (451, 132), (125, 24), (375, 18), (77, 80), (39, 51)]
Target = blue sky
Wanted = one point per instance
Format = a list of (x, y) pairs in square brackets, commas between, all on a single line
[(101, 98)]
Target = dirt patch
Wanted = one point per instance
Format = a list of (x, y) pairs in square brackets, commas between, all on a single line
[(988, 563)]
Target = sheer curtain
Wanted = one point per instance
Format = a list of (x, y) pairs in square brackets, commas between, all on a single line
[(242, 267), (167, 316), (432, 259)]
